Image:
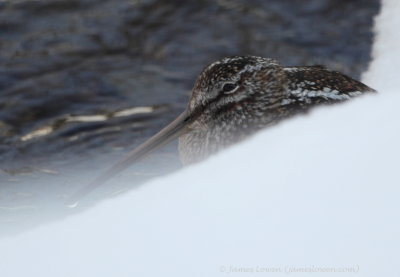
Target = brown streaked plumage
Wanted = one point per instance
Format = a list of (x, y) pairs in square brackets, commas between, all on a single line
[(237, 96)]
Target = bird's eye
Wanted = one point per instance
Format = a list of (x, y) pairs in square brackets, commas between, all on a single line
[(229, 87)]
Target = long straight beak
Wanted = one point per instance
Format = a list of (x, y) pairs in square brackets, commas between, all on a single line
[(169, 133)]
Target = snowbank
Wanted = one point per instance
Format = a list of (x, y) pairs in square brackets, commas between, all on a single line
[(318, 193), (383, 72)]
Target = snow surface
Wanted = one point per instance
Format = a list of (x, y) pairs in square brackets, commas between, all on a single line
[(383, 73), (318, 193)]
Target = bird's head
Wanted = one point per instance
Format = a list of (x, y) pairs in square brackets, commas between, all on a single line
[(234, 84)]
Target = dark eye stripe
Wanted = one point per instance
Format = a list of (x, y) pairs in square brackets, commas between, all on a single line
[(200, 109)]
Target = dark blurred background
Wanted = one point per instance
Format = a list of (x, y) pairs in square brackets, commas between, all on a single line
[(81, 80), (87, 57)]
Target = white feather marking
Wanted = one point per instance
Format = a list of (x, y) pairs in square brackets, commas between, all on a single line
[(326, 93)]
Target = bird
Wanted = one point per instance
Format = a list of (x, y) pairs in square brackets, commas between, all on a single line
[(234, 97)]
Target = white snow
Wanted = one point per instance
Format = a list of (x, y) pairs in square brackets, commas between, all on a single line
[(318, 193), (383, 73)]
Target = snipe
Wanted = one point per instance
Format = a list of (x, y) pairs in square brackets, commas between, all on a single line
[(236, 96)]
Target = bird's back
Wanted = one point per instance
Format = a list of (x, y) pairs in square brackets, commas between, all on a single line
[(315, 84)]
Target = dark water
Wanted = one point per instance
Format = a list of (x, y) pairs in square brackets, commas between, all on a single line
[(128, 66)]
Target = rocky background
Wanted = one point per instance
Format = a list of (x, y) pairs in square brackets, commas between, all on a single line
[(87, 79)]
